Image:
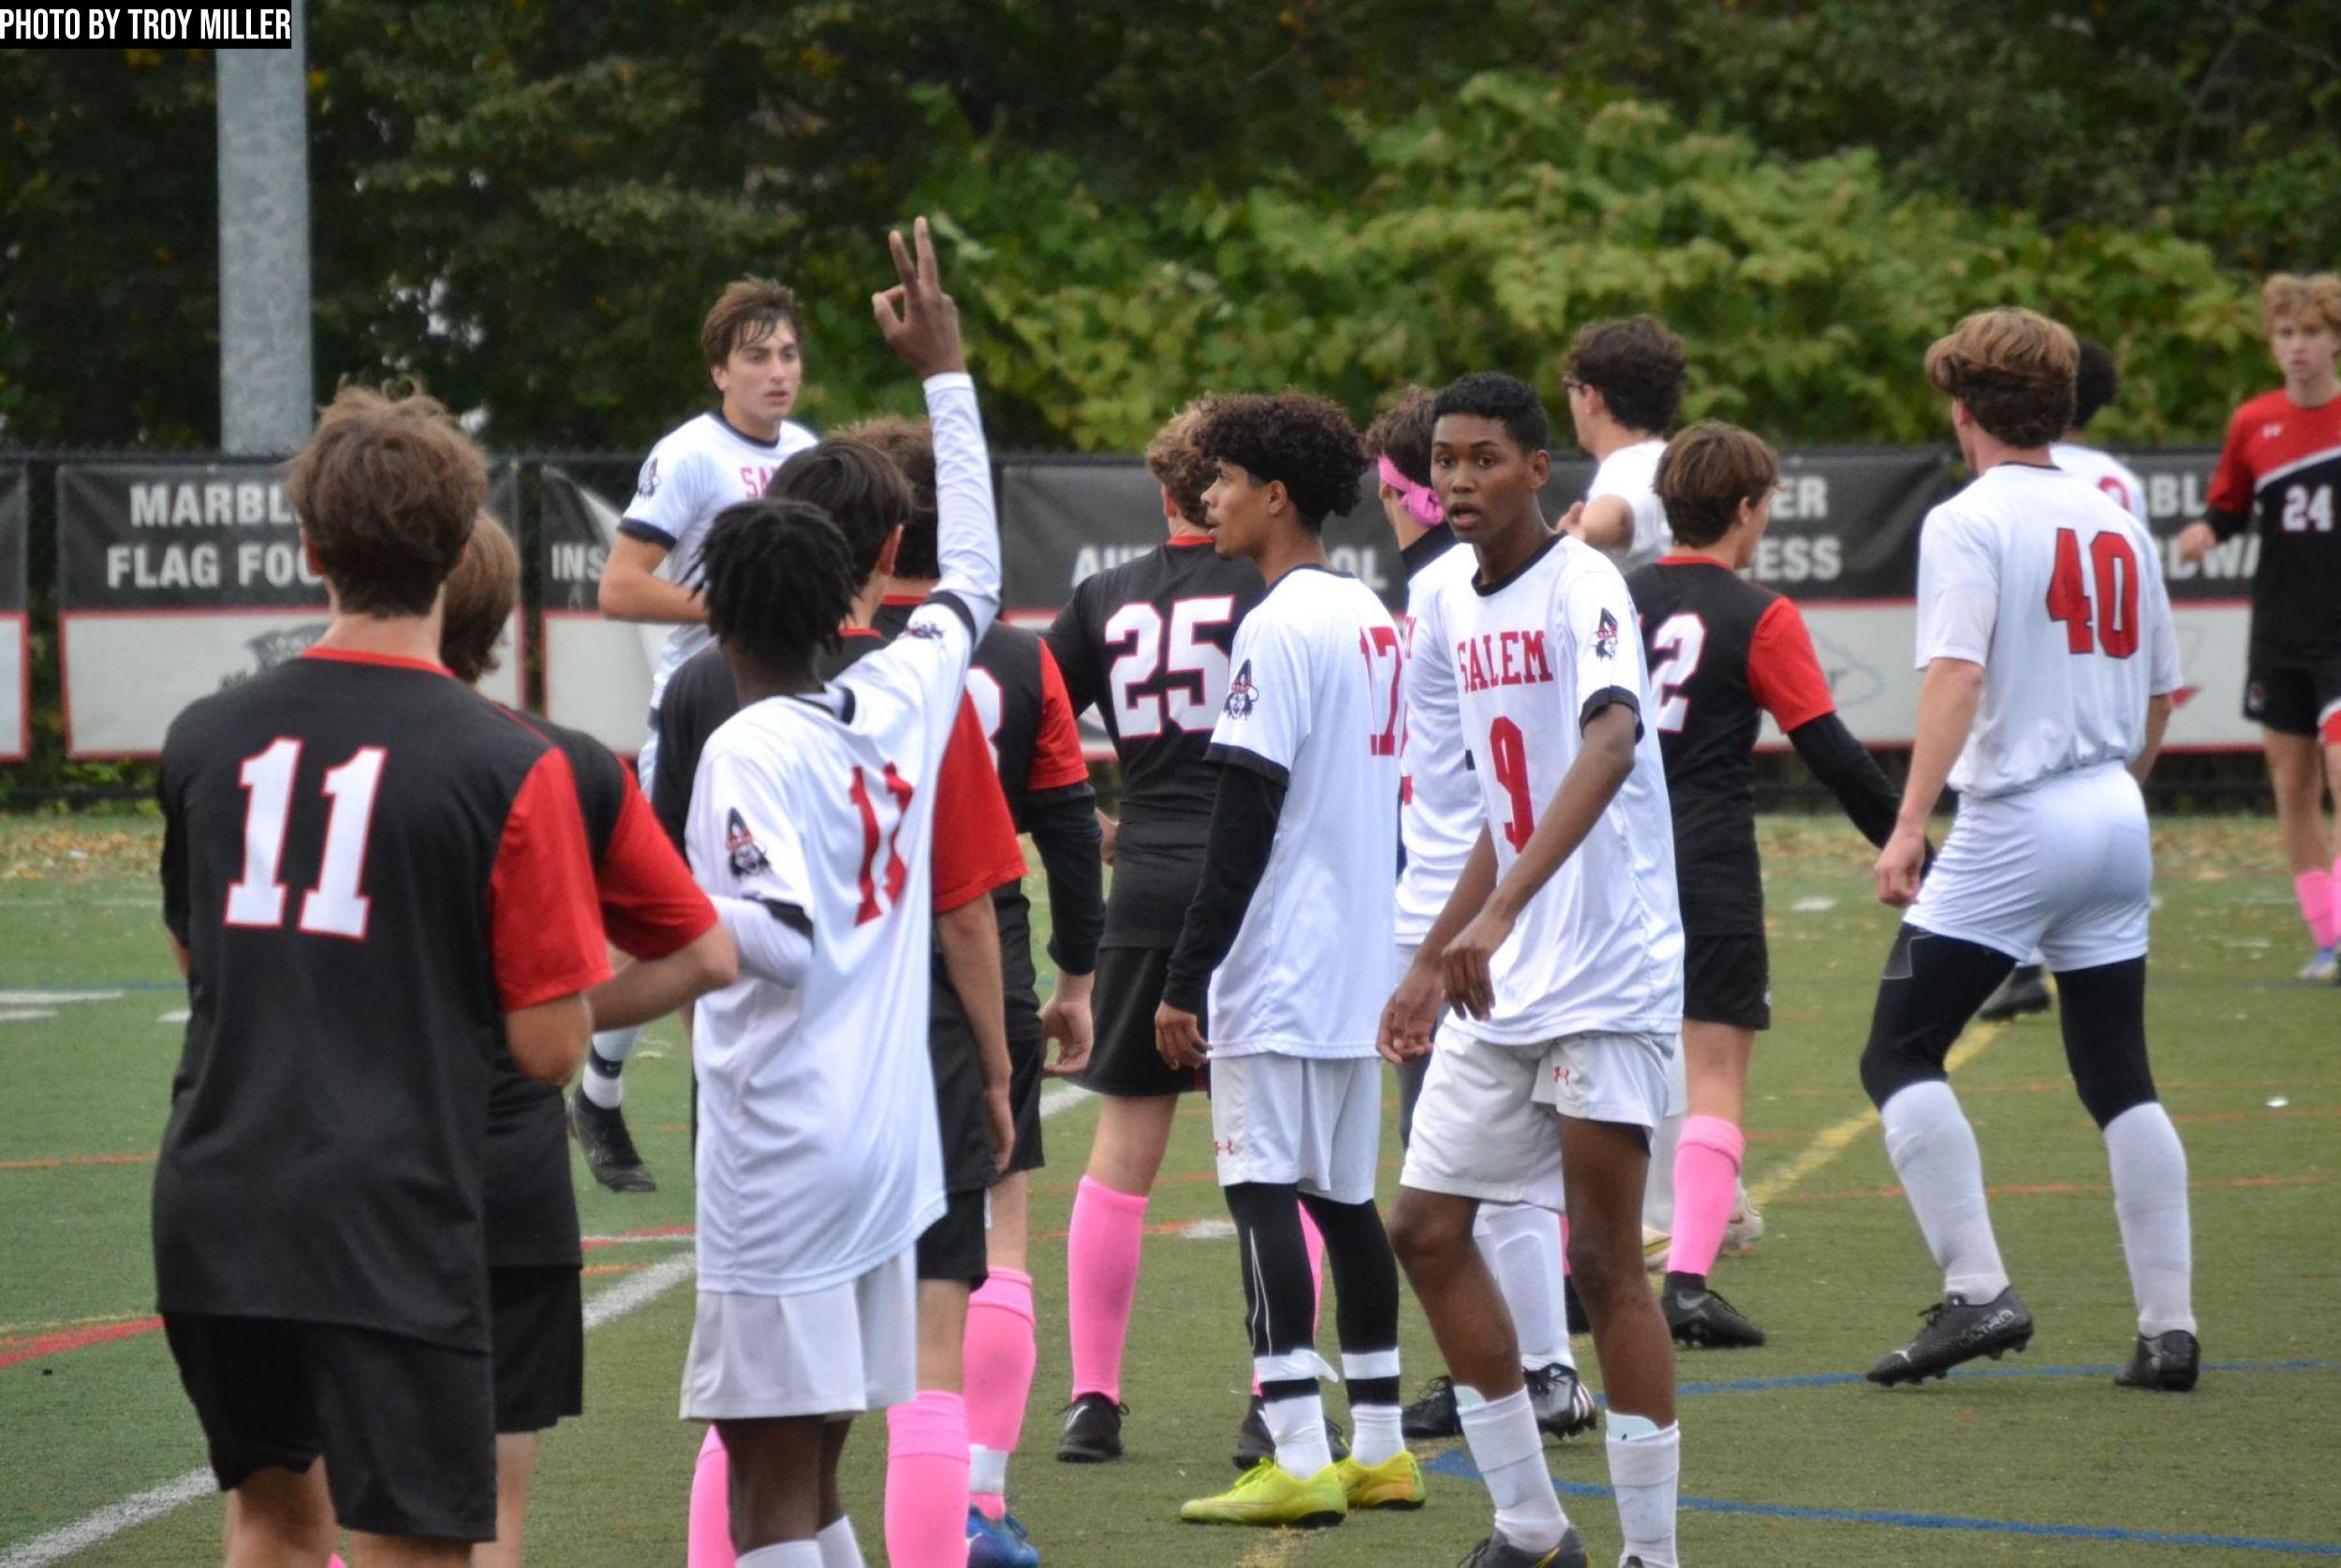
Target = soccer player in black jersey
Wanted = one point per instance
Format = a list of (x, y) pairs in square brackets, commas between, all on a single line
[(1147, 642), (1724, 652), (378, 884), (657, 915)]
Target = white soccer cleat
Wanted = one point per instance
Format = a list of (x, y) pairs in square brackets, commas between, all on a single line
[(2323, 969), (1746, 1227), (1655, 1243)]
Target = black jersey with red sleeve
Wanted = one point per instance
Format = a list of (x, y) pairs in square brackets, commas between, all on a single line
[(368, 866), (2280, 472), (650, 908), (1148, 643), (1723, 652)]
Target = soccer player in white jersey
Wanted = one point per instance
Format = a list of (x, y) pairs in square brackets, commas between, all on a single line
[(2094, 387), (2050, 657), (811, 823), (1562, 946), (1625, 385), (1438, 821), (713, 461), (1290, 931)]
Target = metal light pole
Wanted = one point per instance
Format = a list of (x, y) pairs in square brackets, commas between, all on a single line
[(267, 393)]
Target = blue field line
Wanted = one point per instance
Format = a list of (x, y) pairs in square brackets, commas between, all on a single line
[(1832, 1380), (1457, 1463)]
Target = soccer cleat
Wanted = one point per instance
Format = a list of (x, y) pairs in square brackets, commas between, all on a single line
[(1698, 1317), (999, 1543), (1253, 1444), (1496, 1552), (609, 1148), (1746, 1227), (1655, 1245), (2167, 1364), (1958, 1331), (1563, 1403), (2022, 992), (1433, 1415), (2324, 968), (1395, 1483), (1093, 1430), (1269, 1496)]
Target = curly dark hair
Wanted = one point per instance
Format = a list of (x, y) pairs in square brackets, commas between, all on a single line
[(2097, 384), (778, 580), (857, 487), (1401, 433), (909, 445), (1490, 394), (1306, 444), (1636, 366)]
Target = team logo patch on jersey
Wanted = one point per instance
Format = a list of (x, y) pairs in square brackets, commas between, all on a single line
[(648, 484), (1605, 636), (1242, 696), (925, 630), (747, 856)]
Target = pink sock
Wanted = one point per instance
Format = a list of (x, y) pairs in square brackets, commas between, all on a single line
[(1101, 1251), (711, 1506), (926, 1482), (1706, 1180), (1313, 1239), (2318, 892), (1000, 1354)]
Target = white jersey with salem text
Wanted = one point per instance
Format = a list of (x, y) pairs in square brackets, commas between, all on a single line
[(1315, 704), (1599, 948), (1631, 474), (1439, 815), (697, 470), (2041, 578), (2107, 471)]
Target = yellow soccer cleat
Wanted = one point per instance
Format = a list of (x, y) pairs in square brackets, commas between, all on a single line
[(1395, 1483), (1268, 1497)]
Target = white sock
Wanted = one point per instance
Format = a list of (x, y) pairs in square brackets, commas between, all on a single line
[(987, 1471), (788, 1554), (1521, 1246), (1509, 1450), (839, 1550), (1934, 1154), (2150, 1200), (606, 1087), (1645, 1467), (1375, 1436), (1298, 1425)]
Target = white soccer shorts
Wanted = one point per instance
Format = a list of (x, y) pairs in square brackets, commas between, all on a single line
[(1311, 1121), (842, 1351), (1479, 1132), (2065, 867)]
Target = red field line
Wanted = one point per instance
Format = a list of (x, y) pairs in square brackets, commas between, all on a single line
[(55, 1162), (42, 1345), (648, 1233)]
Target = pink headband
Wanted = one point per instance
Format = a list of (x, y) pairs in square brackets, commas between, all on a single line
[(1420, 504)]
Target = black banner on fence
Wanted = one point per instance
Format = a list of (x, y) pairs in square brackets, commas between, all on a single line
[(16, 695), (176, 580)]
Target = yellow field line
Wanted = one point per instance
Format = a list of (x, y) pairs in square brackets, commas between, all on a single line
[(1834, 1140)]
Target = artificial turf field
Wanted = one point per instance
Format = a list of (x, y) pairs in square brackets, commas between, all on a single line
[(1787, 1459)]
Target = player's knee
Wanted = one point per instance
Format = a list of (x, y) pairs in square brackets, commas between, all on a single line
[(1888, 1067), (1424, 1229), (1603, 1265)]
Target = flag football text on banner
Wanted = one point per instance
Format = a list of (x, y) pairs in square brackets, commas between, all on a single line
[(16, 663), (177, 581)]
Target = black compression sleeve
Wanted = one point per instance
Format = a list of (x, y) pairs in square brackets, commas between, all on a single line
[(2226, 524), (1243, 831), (1064, 827), (1837, 760)]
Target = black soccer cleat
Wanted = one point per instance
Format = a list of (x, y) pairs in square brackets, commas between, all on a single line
[(1563, 1403), (2022, 992), (1958, 1331), (1432, 1415), (2166, 1364), (1496, 1552), (1093, 1430), (609, 1148), (1253, 1444), (1698, 1317)]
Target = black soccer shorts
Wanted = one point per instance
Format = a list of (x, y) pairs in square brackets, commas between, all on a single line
[(2295, 698), (1026, 1053), (953, 1247), (1124, 1063), (406, 1429), (537, 1334), (1727, 980)]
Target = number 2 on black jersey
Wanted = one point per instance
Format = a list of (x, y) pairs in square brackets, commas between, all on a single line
[(1680, 641), (334, 907)]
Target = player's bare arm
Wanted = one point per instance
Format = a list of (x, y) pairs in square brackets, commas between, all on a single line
[(968, 937), (653, 987), (1947, 698), (1605, 523), (1601, 770), (632, 590), (548, 1041), (1412, 1013), (2157, 723)]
